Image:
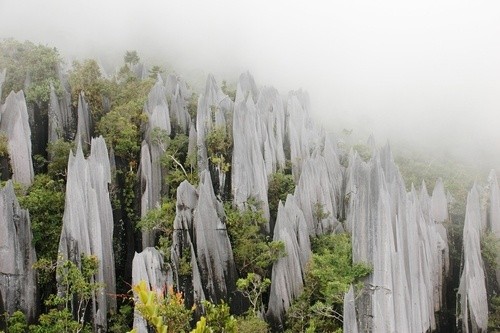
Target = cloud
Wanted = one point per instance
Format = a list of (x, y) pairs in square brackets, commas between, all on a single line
[(423, 72)]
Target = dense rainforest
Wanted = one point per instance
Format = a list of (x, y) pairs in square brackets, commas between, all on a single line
[(130, 201)]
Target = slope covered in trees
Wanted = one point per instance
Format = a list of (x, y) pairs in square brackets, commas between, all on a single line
[(225, 210)]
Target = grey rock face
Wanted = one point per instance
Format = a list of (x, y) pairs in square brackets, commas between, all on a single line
[(83, 123), (178, 94), (472, 290), (182, 245), (249, 176), (59, 115), (15, 124), (397, 233), (350, 324), (301, 132), (272, 136), (148, 266), (157, 108), (213, 249), (154, 145), (288, 272), (439, 202), (493, 222), (18, 287), (88, 220), (214, 108), (318, 195), (199, 232)]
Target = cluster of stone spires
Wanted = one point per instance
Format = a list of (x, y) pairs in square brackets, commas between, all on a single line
[(399, 233)]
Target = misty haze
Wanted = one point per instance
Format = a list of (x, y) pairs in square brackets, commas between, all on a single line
[(249, 166)]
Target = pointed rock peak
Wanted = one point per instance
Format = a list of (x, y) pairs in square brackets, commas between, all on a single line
[(371, 142), (423, 189), (492, 178)]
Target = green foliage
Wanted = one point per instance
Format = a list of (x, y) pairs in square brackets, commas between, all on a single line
[(280, 185), (161, 219), (131, 57), (363, 151), (219, 146), (490, 248), (16, 323), (4, 145), (229, 91), (192, 106), (122, 321), (330, 273), (77, 285), (494, 315), (457, 178), (252, 324), (58, 321), (121, 131), (252, 287), (86, 76), (219, 318), (39, 63), (164, 313), (319, 212), (59, 151), (155, 71), (201, 326), (45, 202), (252, 250), (179, 165)]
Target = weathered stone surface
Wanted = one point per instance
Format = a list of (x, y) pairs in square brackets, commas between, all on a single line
[(439, 202), (288, 272), (397, 233), (83, 123), (18, 287), (200, 236), (350, 324), (272, 136), (182, 246), (249, 176), (178, 94), (60, 119), (157, 109), (15, 124), (246, 88), (493, 223), (472, 290), (318, 192), (153, 147), (213, 250), (214, 108), (148, 200), (148, 266), (88, 221)]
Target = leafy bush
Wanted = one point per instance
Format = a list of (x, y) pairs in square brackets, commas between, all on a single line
[(329, 275), (280, 185), (253, 251)]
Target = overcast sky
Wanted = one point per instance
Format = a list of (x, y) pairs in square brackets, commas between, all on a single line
[(425, 72)]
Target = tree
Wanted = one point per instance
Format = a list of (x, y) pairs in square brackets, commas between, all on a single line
[(280, 185), (27, 62), (253, 251), (86, 77), (131, 58), (77, 289), (330, 274)]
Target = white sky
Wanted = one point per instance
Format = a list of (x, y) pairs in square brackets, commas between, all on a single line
[(425, 72)]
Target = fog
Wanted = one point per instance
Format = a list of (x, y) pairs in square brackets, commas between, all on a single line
[(420, 73)]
